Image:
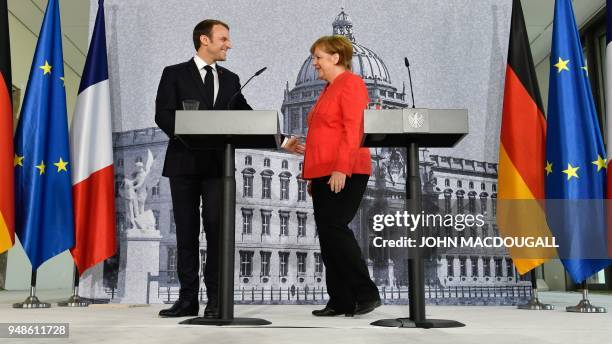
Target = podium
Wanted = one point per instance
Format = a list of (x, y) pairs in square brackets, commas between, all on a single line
[(414, 128), (227, 130)]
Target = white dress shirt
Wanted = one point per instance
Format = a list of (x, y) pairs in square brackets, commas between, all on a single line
[(201, 64)]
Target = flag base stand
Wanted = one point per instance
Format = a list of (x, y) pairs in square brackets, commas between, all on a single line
[(535, 305), (75, 300), (32, 301), (585, 306)]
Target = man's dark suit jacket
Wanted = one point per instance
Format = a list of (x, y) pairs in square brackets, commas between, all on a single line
[(182, 82)]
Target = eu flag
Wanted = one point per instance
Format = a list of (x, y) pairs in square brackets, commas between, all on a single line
[(576, 165), (43, 190)]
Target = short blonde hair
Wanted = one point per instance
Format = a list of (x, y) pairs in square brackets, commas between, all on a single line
[(336, 44)]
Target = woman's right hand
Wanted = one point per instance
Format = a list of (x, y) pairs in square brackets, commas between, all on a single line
[(294, 145)]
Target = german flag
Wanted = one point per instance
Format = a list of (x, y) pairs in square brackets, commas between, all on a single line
[(7, 188), (522, 151)]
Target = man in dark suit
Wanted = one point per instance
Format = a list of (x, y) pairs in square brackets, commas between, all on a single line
[(196, 175)]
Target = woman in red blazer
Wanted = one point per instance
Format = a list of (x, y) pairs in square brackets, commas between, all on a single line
[(338, 170)]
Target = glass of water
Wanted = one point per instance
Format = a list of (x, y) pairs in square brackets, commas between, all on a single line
[(191, 104)]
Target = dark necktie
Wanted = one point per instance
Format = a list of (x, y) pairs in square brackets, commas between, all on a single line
[(209, 85)]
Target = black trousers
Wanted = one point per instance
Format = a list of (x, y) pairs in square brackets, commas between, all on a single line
[(346, 273), (186, 194)]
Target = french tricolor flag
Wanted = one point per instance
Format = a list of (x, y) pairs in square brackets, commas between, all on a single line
[(92, 158)]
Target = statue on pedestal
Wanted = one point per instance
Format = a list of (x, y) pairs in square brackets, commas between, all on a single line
[(135, 191)]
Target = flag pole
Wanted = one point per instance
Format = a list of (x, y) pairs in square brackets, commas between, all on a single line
[(75, 300), (32, 301), (534, 304), (585, 306)]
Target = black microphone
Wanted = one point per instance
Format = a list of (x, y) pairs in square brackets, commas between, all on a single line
[(409, 78), (260, 71), (246, 83)]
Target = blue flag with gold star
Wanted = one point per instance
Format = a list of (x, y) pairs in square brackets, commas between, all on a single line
[(576, 164), (43, 189)]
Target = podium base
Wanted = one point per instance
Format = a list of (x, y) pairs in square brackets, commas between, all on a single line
[(408, 323), (226, 322)]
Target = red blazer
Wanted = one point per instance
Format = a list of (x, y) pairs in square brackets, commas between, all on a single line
[(335, 130)]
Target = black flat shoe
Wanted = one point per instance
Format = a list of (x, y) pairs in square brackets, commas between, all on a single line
[(330, 312), (181, 308), (367, 306)]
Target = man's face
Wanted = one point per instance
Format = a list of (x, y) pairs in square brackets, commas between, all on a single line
[(218, 44)]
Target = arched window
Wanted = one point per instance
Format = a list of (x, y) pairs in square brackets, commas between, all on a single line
[(247, 182), (266, 184), (284, 185), (301, 189), (460, 194), (472, 202)]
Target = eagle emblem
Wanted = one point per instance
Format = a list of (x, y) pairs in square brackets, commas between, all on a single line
[(416, 120)]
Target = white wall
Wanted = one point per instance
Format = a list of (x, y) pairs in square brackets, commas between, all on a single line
[(543, 74)]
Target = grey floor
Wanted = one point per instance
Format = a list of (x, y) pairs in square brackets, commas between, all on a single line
[(294, 324)]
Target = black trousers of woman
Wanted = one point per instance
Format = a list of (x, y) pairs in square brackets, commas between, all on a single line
[(346, 273)]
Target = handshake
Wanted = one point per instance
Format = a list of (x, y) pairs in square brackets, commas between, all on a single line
[(294, 144)]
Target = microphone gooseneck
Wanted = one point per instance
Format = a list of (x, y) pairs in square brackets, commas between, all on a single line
[(407, 63), (229, 104)]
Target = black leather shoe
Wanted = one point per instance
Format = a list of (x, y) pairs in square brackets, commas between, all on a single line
[(181, 308), (330, 312), (367, 306), (212, 310)]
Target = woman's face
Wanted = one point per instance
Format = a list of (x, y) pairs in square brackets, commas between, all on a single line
[(324, 63)]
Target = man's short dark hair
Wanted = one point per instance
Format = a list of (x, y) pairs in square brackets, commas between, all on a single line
[(205, 28)]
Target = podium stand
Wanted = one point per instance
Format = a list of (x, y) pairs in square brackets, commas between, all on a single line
[(228, 130), (414, 128)]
